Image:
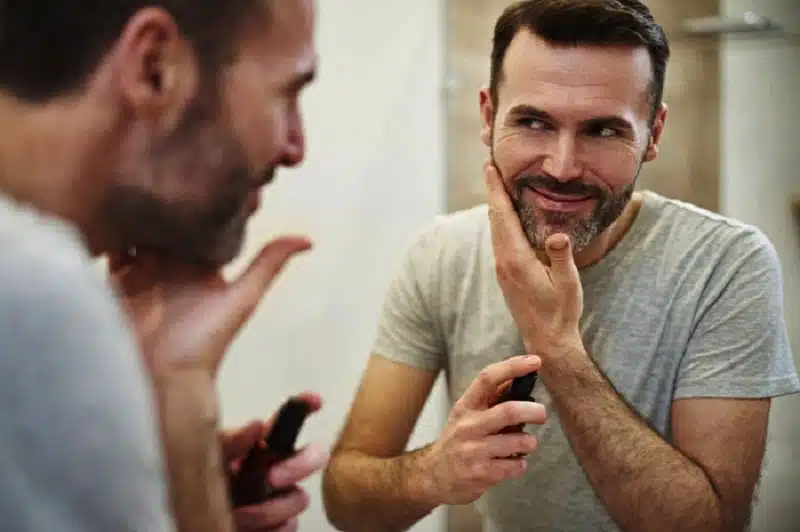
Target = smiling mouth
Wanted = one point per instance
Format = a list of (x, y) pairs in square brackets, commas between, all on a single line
[(555, 202), (561, 198)]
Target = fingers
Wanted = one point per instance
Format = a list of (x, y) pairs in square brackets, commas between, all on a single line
[(506, 228), (491, 472), (312, 399), (237, 442), (507, 445), (480, 393), (302, 465), (274, 514), (562, 265), (290, 526), (506, 468), (497, 418), (503, 388), (510, 414), (248, 289)]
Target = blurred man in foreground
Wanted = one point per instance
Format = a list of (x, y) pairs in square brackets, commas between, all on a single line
[(142, 131)]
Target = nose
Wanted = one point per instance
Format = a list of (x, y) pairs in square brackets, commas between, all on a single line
[(561, 161), (295, 150)]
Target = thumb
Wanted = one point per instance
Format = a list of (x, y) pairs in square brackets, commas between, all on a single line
[(562, 265), (251, 285)]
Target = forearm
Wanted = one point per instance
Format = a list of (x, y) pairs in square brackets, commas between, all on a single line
[(366, 493), (644, 483), (188, 411)]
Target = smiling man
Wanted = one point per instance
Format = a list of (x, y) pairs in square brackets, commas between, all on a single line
[(657, 327), (145, 131)]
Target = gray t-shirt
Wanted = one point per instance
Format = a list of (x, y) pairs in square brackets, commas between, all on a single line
[(78, 429), (688, 304)]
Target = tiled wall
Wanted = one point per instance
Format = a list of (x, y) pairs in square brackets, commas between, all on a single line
[(687, 167)]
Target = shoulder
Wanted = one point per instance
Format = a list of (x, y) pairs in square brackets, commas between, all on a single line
[(453, 237), (59, 316), (718, 260), (703, 237), (37, 248), (70, 367), (60, 319), (46, 270), (721, 231)]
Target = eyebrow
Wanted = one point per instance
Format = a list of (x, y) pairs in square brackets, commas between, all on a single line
[(610, 121)]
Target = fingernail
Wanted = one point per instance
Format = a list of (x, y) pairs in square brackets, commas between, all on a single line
[(532, 359), (559, 244)]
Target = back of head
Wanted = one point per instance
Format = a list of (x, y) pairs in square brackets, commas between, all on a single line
[(583, 23), (50, 47), (186, 109)]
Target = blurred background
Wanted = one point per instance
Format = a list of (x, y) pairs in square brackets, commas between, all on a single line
[(393, 138)]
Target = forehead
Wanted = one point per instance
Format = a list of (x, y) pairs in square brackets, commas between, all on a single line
[(590, 79), (284, 37)]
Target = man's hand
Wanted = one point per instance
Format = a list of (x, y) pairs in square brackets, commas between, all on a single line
[(472, 455), (546, 302), (185, 316), (278, 514)]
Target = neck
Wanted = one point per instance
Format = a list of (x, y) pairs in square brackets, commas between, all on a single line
[(44, 160), (608, 239)]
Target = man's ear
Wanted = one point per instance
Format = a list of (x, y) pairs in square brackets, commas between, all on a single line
[(487, 116), (158, 70), (655, 133)]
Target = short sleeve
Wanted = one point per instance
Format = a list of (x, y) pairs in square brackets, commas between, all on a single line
[(739, 347), (408, 332), (80, 435)]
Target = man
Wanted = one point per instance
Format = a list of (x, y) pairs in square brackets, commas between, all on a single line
[(143, 131), (656, 327)]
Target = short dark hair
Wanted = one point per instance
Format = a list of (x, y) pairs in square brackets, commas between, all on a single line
[(583, 22), (51, 47)]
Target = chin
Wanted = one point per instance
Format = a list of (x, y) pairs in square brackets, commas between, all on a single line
[(227, 249), (225, 245), (581, 233)]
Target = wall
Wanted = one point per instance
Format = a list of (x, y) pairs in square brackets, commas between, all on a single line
[(760, 169), (373, 178)]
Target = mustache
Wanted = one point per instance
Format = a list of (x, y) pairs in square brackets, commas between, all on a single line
[(551, 184)]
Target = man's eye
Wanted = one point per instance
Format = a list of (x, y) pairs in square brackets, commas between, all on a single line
[(533, 123), (603, 132)]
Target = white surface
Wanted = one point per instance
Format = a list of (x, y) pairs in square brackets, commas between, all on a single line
[(373, 178), (760, 169)]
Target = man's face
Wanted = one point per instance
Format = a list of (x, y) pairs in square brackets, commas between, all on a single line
[(189, 190), (570, 133)]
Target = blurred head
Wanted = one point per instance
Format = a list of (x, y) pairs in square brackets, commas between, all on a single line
[(573, 110), (190, 105)]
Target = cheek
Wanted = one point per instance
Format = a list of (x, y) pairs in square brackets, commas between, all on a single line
[(617, 166), (252, 127), (608, 163), (255, 119), (515, 154)]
